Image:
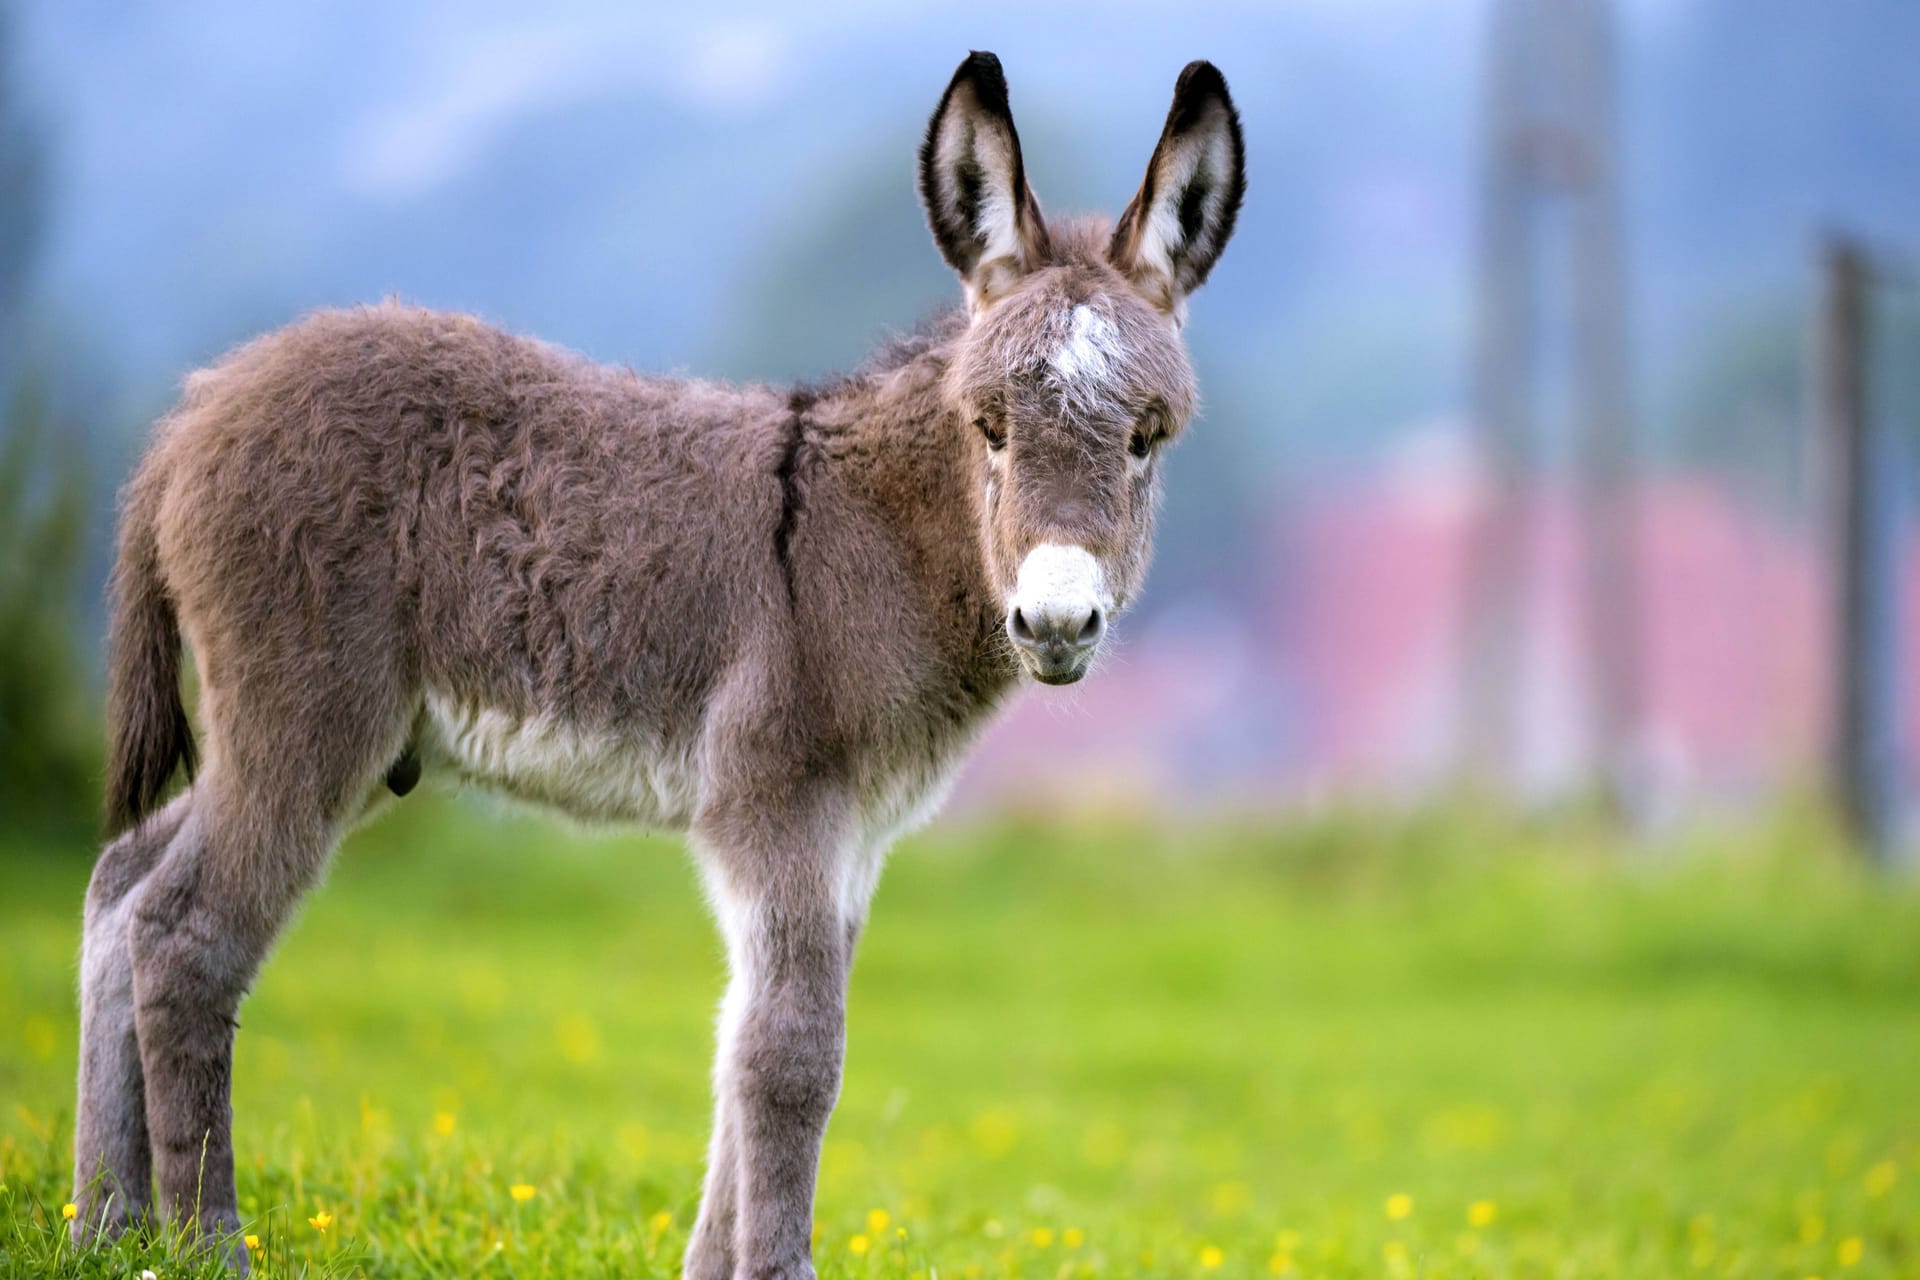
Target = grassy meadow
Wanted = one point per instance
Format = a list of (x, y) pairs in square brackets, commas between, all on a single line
[(1399, 1046)]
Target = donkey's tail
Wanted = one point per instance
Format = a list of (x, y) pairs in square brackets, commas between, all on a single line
[(147, 723)]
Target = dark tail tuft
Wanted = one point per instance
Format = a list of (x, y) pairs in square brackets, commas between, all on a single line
[(149, 733)]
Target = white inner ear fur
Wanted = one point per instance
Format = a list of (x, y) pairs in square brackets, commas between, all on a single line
[(996, 223), (1209, 146), (1056, 577)]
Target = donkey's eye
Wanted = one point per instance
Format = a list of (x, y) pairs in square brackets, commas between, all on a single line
[(995, 430), (1148, 432)]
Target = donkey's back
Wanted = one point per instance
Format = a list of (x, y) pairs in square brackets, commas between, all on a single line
[(493, 554)]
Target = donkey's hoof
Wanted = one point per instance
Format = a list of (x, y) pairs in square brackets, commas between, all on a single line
[(98, 1220), (706, 1264), (791, 1271), (223, 1240)]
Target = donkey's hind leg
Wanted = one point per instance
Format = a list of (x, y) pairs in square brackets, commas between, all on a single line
[(289, 763), (205, 920), (112, 1164)]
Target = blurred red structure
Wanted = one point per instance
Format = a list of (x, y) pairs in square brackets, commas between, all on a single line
[(1345, 680)]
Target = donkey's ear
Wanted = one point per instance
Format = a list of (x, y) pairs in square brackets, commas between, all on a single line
[(984, 216), (1178, 222)]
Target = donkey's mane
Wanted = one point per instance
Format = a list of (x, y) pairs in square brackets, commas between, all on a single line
[(1079, 241), (895, 351)]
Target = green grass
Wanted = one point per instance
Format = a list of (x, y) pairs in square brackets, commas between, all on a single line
[(1074, 1051)]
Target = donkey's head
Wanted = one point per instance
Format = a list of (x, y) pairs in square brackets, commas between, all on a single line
[(1071, 377)]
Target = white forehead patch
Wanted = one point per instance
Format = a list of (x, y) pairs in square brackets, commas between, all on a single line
[(1090, 351)]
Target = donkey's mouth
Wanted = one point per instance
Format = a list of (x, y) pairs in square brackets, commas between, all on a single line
[(1056, 674)]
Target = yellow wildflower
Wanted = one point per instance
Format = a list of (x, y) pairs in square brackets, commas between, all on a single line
[(1880, 1178), (877, 1220), (1043, 1237), (443, 1122), (253, 1242), (1230, 1198), (1212, 1256), (577, 1038), (1481, 1213), (321, 1220), (1399, 1205), (995, 1132), (1850, 1251), (522, 1191), (859, 1244), (1073, 1237), (660, 1221), (69, 1211), (1279, 1264)]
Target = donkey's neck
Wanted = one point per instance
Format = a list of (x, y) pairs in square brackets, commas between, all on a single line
[(889, 437)]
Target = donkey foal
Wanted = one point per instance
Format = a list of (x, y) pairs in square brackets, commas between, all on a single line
[(403, 544)]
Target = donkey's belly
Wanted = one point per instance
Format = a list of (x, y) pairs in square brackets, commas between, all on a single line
[(593, 775)]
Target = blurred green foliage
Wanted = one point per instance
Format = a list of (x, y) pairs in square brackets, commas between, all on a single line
[(48, 747), (1742, 411), (48, 733), (1120, 1050)]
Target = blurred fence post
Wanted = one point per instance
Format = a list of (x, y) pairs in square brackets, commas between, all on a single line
[(1552, 86), (1860, 526), (1502, 377), (1603, 416)]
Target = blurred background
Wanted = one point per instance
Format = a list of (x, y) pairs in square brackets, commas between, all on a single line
[(1429, 885), (1530, 375)]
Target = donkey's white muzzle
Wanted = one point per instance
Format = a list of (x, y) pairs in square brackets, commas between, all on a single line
[(1059, 612)]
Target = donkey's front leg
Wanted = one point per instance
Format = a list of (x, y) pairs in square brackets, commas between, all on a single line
[(780, 1074), (710, 1251)]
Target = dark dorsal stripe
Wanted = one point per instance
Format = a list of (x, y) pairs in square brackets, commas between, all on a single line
[(798, 404)]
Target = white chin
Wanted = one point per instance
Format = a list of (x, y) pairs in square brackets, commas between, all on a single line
[(1063, 676)]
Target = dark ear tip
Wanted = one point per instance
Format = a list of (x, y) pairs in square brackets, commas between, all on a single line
[(1201, 78), (1200, 87), (982, 71)]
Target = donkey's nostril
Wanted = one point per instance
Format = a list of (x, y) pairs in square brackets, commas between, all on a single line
[(1058, 630), (1057, 611)]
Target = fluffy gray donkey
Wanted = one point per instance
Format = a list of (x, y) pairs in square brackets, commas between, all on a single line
[(402, 542)]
